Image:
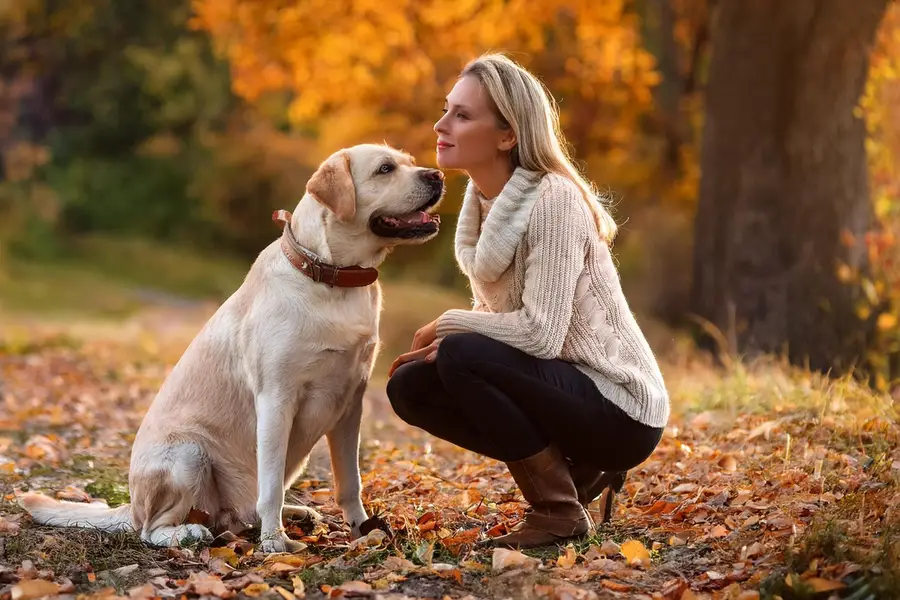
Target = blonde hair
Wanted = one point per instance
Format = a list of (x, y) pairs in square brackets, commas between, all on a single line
[(522, 103)]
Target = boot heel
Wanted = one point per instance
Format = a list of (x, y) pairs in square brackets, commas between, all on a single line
[(614, 482)]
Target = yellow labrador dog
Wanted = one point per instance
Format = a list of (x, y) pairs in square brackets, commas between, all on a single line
[(283, 361)]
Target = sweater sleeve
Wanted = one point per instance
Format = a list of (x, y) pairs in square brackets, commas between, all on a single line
[(557, 239)]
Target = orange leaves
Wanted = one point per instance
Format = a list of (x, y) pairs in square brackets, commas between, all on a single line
[(732, 493), (349, 61), (467, 537)]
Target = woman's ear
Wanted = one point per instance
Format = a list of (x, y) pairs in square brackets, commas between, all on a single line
[(508, 141)]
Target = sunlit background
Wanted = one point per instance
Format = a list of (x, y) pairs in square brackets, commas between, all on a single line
[(145, 144)]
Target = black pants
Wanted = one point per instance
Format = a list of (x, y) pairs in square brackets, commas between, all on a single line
[(493, 399)]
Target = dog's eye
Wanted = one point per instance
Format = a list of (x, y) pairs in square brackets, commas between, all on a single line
[(386, 168)]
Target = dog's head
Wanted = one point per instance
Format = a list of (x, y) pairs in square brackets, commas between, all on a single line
[(379, 190)]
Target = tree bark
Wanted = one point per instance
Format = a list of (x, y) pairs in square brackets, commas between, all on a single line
[(783, 173)]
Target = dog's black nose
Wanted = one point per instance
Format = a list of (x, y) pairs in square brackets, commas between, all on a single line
[(433, 175)]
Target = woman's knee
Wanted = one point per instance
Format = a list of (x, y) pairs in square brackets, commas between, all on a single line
[(461, 349), (405, 385)]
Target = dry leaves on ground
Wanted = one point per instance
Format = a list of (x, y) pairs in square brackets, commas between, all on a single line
[(728, 504)]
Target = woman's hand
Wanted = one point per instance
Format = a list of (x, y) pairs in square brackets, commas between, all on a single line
[(428, 353), (425, 336)]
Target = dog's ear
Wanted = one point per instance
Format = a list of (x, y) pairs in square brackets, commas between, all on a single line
[(332, 185)]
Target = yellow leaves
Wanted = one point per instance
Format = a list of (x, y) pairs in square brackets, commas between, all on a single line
[(568, 558), (226, 554), (886, 321), (255, 590), (635, 553)]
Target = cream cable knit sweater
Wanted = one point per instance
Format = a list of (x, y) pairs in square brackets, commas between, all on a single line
[(545, 283)]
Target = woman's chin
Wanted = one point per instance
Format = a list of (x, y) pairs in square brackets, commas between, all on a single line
[(448, 164)]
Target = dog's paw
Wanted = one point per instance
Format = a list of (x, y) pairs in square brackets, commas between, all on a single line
[(301, 513), (278, 542)]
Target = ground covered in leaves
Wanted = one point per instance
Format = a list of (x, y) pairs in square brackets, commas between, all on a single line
[(769, 482)]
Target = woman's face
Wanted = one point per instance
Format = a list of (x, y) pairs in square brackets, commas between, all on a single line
[(469, 135)]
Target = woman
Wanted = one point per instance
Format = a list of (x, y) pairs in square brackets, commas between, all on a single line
[(548, 372)]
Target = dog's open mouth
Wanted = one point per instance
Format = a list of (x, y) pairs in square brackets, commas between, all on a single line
[(419, 223)]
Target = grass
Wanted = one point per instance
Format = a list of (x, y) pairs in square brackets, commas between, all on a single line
[(112, 277), (74, 553)]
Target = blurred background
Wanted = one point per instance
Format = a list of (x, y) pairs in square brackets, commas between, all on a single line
[(750, 151)]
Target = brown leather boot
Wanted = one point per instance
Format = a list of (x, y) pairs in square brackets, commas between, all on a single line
[(592, 483), (555, 513)]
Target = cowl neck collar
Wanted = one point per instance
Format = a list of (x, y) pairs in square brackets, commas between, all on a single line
[(488, 255)]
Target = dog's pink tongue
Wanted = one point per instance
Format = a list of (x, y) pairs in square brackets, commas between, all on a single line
[(416, 218)]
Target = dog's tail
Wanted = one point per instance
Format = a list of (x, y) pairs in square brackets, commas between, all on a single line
[(47, 511)]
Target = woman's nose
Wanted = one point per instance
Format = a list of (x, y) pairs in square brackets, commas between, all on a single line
[(439, 125)]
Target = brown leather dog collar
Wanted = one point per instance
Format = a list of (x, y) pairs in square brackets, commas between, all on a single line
[(312, 266)]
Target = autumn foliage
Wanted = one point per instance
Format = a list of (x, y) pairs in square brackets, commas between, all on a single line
[(353, 70)]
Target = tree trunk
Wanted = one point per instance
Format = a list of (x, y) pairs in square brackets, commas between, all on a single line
[(783, 173)]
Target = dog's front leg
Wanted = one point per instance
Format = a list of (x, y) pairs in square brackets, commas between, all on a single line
[(343, 445), (273, 431)]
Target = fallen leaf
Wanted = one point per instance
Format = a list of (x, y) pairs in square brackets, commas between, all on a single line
[(34, 588), (819, 584), (281, 567), (371, 539), (225, 553), (635, 552), (398, 563), (753, 550), (8, 527), (728, 463), (299, 586), (143, 592), (503, 559), (255, 590), (355, 586), (609, 548), (685, 488), (321, 496), (454, 542), (674, 588), (567, 559), (718, 531), (284, 593), (204, 584), (425, 552), (615, 586), (764, 429)]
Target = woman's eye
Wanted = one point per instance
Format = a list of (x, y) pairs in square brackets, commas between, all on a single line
[(461, 116), (386, 168)]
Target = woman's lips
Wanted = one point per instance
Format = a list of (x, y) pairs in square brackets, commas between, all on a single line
[(444, 145)]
